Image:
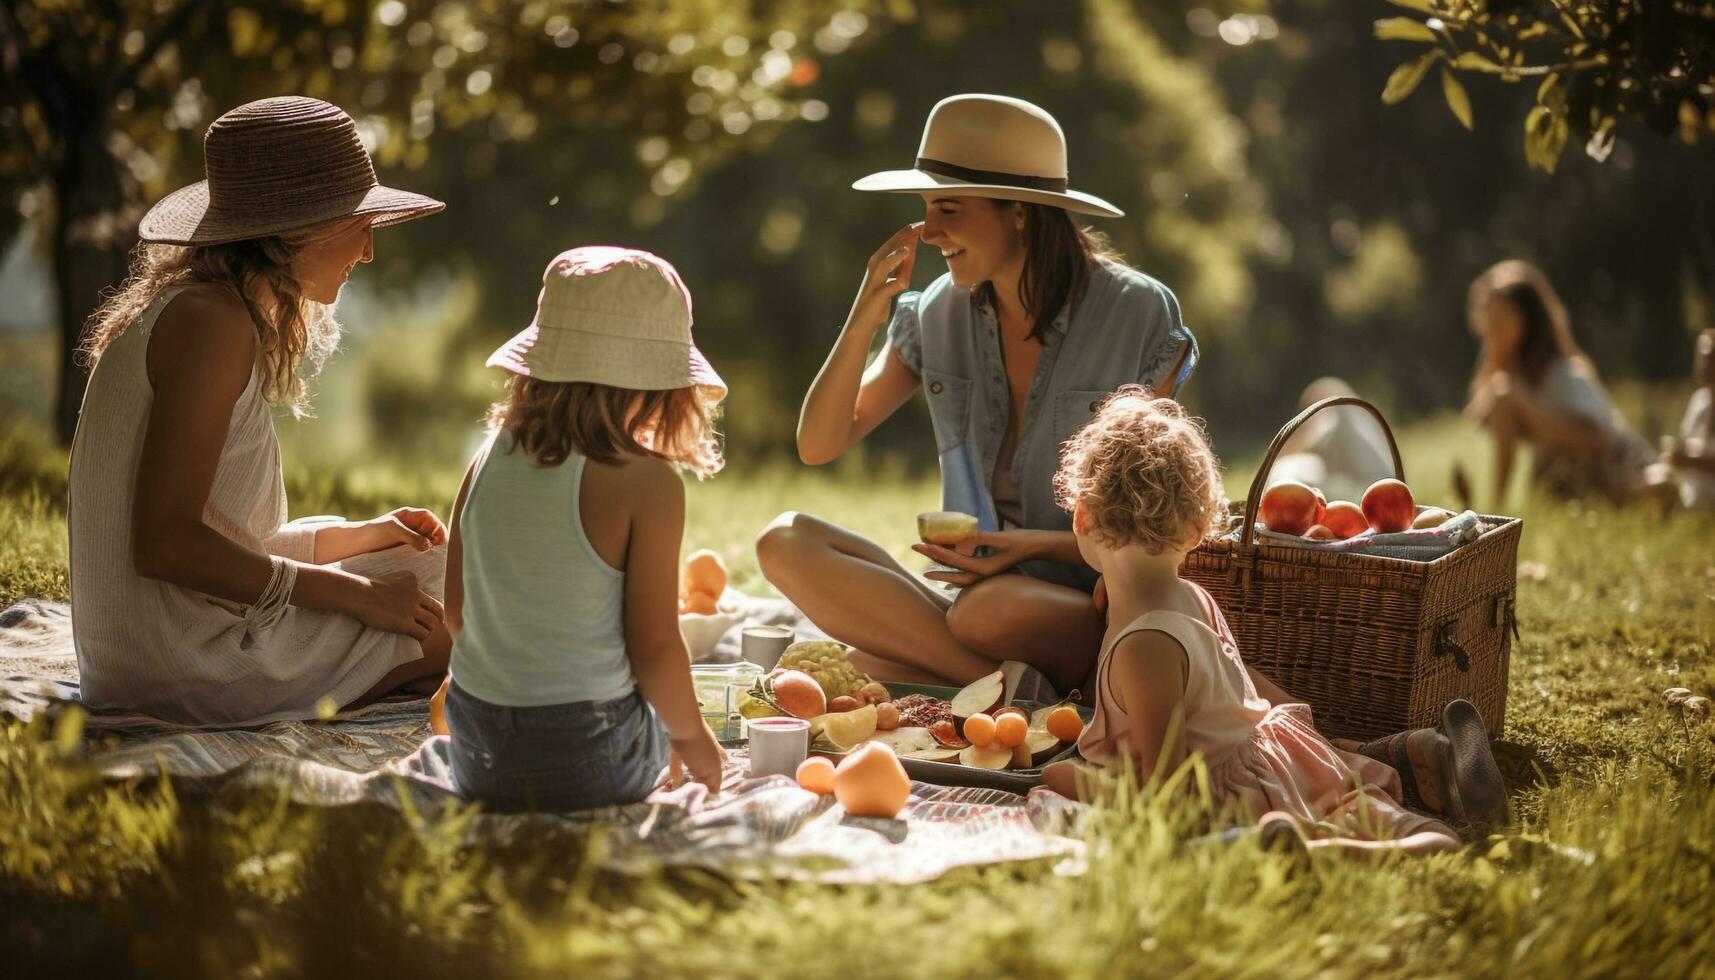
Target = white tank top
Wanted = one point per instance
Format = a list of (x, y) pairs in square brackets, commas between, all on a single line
[(544, 615)]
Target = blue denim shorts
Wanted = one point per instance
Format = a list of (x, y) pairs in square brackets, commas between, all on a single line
[(555, 757)]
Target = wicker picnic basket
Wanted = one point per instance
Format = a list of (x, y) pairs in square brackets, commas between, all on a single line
[(1374, 644)]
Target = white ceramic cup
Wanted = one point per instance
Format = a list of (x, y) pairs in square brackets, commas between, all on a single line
[(764, 645), (777, 745)]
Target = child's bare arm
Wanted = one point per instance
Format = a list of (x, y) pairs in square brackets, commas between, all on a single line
[(653, 642), (1268, 690), (453, 600), (1062, 778), (1148, 676)]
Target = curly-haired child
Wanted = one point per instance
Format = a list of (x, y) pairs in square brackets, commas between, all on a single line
[(1144, 489)]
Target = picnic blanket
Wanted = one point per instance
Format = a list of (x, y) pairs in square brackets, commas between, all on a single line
[(384, 753)]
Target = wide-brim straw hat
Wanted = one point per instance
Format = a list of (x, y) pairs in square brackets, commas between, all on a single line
[(613, 316), (991, 146), (276, 165)]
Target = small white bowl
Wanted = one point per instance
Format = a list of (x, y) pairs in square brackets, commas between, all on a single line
[(702, 632)]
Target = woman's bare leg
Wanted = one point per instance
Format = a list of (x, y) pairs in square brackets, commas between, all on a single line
[(858, 594), (1053, 628), (889, 670)]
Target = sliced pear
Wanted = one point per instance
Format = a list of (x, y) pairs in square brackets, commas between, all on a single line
[(1041, 746), (990, 756), (1021, 757), (981, 695), (845, 729), (1012, 672), (938, 753)]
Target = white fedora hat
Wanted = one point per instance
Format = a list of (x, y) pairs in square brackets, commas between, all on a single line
[(991, 146), (614, 316)]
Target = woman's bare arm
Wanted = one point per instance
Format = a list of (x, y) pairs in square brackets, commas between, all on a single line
[(454, 591), (846, 402), (200, 358)]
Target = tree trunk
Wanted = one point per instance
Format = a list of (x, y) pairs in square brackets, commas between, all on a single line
[(93, 232)]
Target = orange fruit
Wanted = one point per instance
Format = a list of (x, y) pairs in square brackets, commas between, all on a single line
[(979, 729), (1065, 724), (816, 774), (871, 782), (1010, 729), (699, 603), (704, 573)]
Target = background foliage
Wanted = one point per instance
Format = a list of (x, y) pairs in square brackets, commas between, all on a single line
[(1307, 226)]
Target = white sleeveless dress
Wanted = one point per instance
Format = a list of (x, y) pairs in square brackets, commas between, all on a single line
[(178, 654)]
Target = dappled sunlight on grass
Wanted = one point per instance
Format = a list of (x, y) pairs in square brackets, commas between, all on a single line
[(1609, 872)]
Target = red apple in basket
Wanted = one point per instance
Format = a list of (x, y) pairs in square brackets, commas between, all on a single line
[(1288, 507), (1388, 506), (1345, 519), (1319, 532)]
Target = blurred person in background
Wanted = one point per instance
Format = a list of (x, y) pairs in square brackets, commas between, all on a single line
[(1688, 462), (1339, 450), (1533, 387)]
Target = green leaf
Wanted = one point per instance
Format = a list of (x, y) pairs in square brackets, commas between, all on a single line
[(68, 730), (1545, 133), (1421, 6), (1457, 100), (1403, 29), (1405, 78), (1471, 59), (1548, 93)]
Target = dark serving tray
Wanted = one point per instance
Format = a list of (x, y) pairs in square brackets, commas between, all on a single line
[(957, 774)]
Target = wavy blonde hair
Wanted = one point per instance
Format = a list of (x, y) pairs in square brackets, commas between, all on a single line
[(292, 331), (1144, 472), (551, 419)]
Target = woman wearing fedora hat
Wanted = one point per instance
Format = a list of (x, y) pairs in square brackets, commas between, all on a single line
[(1033, 324), (192, 598)]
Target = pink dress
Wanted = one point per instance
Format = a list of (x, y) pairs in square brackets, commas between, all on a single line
[(1270, 757)]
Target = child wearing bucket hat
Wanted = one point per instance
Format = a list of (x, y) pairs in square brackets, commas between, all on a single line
[(192, 598), (570, 684)]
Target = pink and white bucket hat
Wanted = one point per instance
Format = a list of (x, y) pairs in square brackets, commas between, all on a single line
[(613, 316)]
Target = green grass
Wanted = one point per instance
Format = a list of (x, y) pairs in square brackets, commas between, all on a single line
[(1611, 872)]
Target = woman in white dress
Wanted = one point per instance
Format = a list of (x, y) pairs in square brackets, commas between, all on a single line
[(193, 599)]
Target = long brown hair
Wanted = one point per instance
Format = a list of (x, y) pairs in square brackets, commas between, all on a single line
[(1058, 253), (551, 419), (1547, 329), (292, 331)]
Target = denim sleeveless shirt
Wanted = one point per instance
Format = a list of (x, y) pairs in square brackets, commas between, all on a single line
[(1124, 329)]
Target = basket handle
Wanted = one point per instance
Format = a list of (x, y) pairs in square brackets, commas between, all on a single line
[(1247, 534)]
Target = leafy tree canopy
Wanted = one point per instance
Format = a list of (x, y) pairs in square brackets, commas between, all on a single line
[(1595, 63)]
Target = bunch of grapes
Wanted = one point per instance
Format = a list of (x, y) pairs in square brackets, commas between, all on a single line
[(827, 663)]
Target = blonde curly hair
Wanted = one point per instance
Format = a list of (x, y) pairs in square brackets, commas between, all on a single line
[(1144, 472)]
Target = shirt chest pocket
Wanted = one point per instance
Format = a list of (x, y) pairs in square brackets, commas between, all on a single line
[(1074, 408), (949, 407)]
